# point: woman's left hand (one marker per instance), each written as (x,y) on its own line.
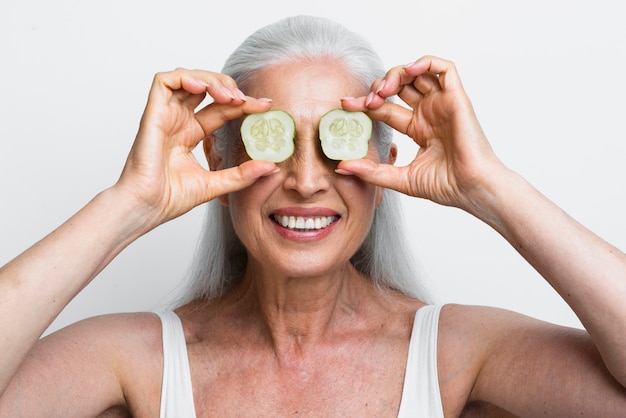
(455,161)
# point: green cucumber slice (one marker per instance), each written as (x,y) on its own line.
(269,135)
(345,135)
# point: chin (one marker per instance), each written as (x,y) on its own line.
(308,265)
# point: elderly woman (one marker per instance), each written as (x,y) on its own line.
(327,319)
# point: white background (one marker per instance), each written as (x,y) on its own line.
(547,79)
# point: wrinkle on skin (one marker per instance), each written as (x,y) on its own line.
(300,285)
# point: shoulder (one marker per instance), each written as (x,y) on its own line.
(482,331)
(104,362)
(519,363)
(470,336)
(110,334)
(126,345)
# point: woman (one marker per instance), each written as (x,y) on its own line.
(285,321)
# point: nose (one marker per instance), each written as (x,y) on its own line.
(308,171)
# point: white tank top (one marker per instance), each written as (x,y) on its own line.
(420,394)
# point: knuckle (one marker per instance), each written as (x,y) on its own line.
(159,76)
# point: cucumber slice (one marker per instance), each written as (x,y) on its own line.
(269,135)
(345,135)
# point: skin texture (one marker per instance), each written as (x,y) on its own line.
(303,332)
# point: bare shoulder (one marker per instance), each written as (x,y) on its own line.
(89,367)
(115,338)
(484,326)
(493,356)
(142,327)
(132,345)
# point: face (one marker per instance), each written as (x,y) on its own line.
(306,220)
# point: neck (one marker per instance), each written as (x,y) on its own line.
(303,309)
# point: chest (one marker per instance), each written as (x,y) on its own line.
(345,382)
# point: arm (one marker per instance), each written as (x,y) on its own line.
(160,181)
(589,273)
(490,356)
(456,166)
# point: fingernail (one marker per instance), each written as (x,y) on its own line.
(264,99)
(344,172)
(347,98)
(369,98)
(274,171)
(409,64)
(240,95)
(228,92)
(202,83)
(381,86)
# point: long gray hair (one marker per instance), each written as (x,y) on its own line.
(385,256)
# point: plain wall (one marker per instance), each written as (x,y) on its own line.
(546,79)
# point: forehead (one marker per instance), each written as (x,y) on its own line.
(306,86)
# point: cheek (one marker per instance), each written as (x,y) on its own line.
(360,195)
(243,218)
(373,151)
(246,206)
(239,154)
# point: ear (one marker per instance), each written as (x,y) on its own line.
(212,156)
(393,154)
(214,159)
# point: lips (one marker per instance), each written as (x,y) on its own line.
(304,224)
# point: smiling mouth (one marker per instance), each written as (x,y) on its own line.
(301,223)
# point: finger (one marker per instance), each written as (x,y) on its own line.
(236,178)
(181,83)
(411,96)
(395,82)
(426,84)
(354,103)
(445,71)
(215,115)
(394,115)
(427,74)
(383,175)
(194,100)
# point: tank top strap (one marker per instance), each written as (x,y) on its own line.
(420,395)
(176,389)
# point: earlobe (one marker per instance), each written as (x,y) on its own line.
(224,200)
(393,154)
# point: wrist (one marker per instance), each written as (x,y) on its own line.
(127,215)
(495,198)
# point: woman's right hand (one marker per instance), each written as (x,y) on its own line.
(161,180)
(161,172)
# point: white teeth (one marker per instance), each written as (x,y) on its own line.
(301,223)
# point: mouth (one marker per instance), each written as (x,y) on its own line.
(303,223)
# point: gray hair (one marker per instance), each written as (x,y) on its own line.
(385,255)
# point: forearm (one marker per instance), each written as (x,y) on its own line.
(39,283)
(588,272)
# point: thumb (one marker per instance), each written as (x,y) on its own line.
(236,178)
(383,175)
